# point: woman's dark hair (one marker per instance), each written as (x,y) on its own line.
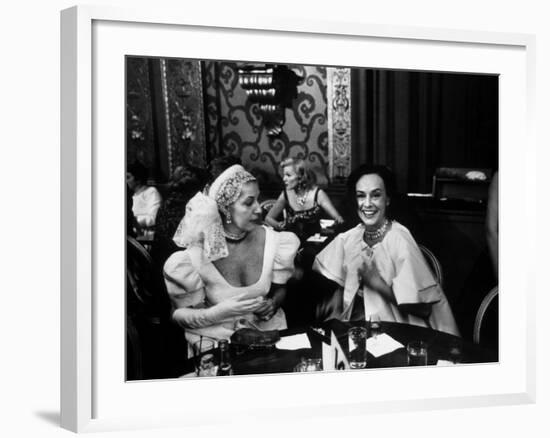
(187,178)
(383,172)
(221,163)
(139,171)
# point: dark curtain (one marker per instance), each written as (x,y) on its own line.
(414,122)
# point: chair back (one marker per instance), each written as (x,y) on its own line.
(433,263)
(145,287)
(482,311)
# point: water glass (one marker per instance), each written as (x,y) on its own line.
(314,365)
(417,353)
(357,341)
(455,352)
(307,365)
(375,326)
(204,357)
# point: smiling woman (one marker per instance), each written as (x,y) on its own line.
(233,269)
(377,265)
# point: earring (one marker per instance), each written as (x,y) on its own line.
(228,220)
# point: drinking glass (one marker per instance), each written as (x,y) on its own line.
(417,353)
(314,365)
(204,357)
(375,326)
(357,341)
(455,352)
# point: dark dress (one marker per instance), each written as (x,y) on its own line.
(303,223)
(299,302)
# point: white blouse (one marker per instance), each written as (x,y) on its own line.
(145,206)
(401,265)
(196,288)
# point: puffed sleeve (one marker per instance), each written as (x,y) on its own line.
(187,293)
(183,283)
(283,264)
(413,283)
(330,261)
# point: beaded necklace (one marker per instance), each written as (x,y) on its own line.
(375,236)
(232,237)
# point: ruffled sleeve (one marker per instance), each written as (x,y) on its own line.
(283,264)
(413,282)
(330,261)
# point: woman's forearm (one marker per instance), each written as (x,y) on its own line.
(189,317)
(272,222)
(278,294)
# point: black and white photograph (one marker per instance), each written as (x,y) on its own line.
(286,218)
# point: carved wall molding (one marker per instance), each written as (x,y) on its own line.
(339,121)
(184,112)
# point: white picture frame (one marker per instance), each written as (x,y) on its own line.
(93,397)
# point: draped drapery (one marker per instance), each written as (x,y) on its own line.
(415,122)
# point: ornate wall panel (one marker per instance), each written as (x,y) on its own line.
(339,122)
(235,126)
(139,125)
(184,112)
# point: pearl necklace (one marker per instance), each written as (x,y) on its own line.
(372,236)
(235,237)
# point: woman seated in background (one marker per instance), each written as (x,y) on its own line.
(302,201)
(233,268)
(146,200)
(377,265)
(186,181)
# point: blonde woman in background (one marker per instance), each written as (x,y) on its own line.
(302,201)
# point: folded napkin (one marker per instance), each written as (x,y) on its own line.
(317,238)
(294,342)
(382,344)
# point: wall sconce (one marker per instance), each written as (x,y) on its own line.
(272,87)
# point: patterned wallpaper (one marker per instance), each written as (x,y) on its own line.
(234,126)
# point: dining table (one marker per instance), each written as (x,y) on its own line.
(443,348)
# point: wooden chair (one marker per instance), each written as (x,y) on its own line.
(481,313)
(433,263)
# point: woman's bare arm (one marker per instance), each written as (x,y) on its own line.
(275,212)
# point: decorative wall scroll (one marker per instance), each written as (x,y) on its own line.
(339,122)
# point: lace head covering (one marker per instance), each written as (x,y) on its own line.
(226,189)
(202,224)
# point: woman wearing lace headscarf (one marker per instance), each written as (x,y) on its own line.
(232,268)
